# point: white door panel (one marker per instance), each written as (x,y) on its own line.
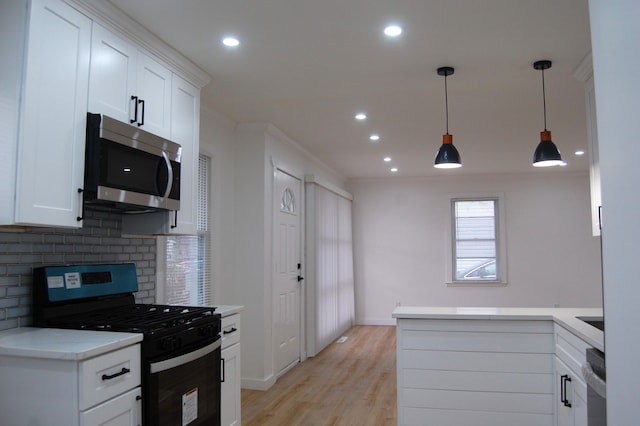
(287,258)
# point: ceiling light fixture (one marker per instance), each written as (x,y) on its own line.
(393,31)
(447,156)
(580,152)
(387,159)
(374,137)
(393,169)
(546,154)
(231,42)
(361,116)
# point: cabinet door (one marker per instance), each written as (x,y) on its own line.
(113,75)
(123,410)
(580,403)
(53,116)
(230,388)
(185,119)
(570,396)
(562,393)
(153,88)
(594,156)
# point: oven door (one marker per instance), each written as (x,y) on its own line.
(185,389)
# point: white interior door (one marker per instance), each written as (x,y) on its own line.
(287,270)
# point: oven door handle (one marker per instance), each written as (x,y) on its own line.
(159,366)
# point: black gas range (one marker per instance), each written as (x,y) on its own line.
(181,345)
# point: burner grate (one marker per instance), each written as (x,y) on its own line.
(137,318)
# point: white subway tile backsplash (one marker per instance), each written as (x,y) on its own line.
(99,241)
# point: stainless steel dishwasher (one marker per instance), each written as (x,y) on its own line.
(594,373)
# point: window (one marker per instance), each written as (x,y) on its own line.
(477,245)
(187,257)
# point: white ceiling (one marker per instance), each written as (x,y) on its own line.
(307,66)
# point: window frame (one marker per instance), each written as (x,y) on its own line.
(202,237)
(501,241)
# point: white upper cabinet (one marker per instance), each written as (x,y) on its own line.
(43,146)
(185,130)
(129,85)
(584,73)
(62,59)
(594,158)
(154,93)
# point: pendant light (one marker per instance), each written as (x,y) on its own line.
(546,153)
(447,156)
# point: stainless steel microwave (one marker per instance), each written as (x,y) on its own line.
(129,169)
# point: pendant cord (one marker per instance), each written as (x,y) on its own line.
(544,102)
(446,102)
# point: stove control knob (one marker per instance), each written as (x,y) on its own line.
(207,331)
(170,343)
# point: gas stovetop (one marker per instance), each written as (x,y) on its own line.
(137,318)
(100,297)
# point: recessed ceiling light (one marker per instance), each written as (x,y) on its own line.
(387,159)
(563,164)
(374,137)
(580,152)
(231,42)
(394,169)
(361,116)
(393,31)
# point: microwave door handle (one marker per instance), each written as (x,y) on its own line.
(169,174)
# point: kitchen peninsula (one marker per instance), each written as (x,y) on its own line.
(493,366)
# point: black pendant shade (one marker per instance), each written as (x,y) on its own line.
(448,156)
(546,153)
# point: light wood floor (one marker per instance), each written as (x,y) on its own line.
(351,383)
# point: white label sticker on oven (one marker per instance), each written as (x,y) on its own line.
(189,406)
(72,279)
(55,282)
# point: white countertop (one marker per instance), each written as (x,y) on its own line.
(566,317)
(226,310)
(62,344)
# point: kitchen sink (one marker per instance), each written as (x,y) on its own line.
(597,322)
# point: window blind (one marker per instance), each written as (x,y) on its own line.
(188,260)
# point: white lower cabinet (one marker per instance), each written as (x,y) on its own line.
(121,410)
(46,383)
(570,396)
(475,372)
(230,394)
(570,390)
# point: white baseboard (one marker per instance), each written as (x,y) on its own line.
(258,384)
(376,321)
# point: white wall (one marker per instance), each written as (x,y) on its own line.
(259,149)
(616,60)
(400,234)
